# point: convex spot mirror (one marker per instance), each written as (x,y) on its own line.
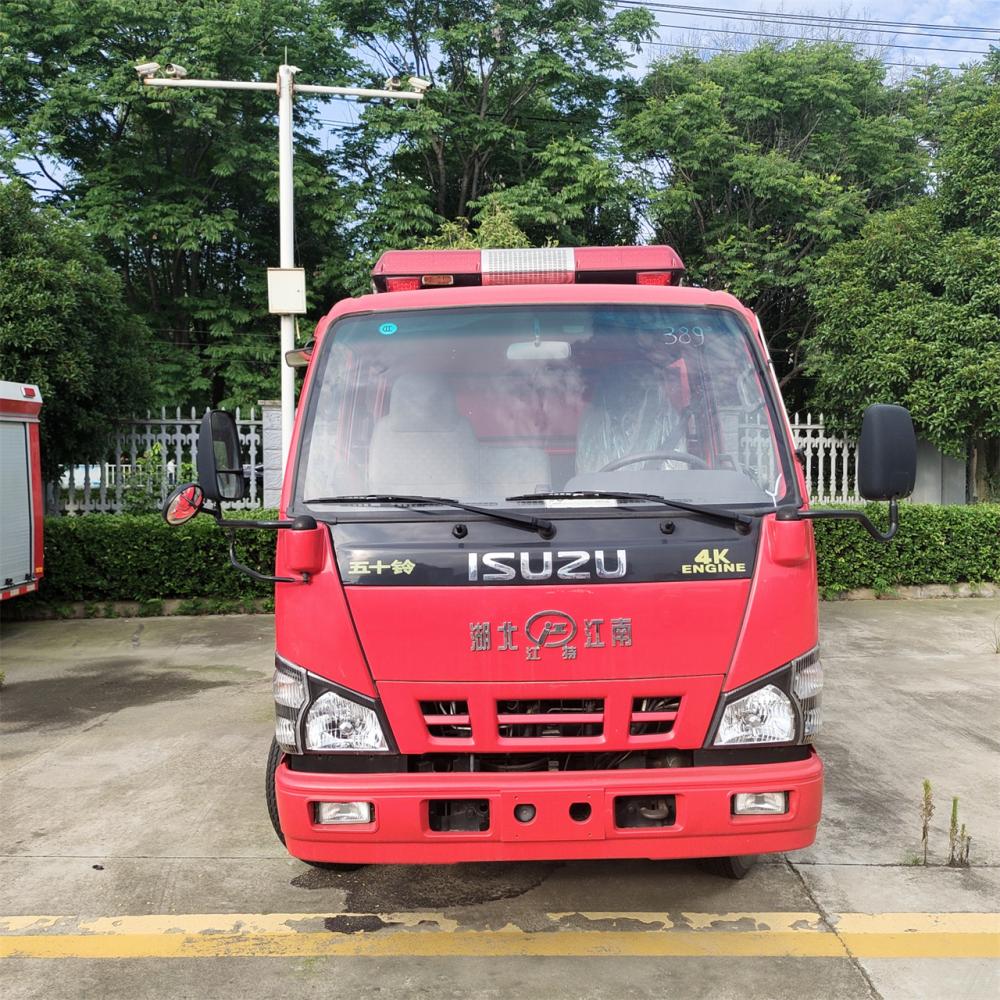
(183,504)
(220,469)
(539,350)
(887,453)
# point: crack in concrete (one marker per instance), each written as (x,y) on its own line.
(831,925)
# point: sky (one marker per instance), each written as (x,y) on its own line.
(923,41)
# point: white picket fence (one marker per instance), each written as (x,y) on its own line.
(830,461)
(103,487)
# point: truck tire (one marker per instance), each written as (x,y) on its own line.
(273,759)
(735,867)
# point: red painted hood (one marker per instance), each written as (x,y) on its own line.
(549,633)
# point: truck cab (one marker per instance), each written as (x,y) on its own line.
(546,574)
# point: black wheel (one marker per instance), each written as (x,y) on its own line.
(735,868)
(273,759)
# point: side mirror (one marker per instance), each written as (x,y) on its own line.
(887,470)
(183,504)
(887,453)
(220,470)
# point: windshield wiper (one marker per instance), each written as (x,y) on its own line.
(544,527)
(742,522)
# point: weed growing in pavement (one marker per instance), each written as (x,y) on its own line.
(995,640)
(926,812)
(959,842)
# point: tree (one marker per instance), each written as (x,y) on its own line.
(517,111)
(910,311)
(754,164)
(179,187)
(495,229)
(64,325)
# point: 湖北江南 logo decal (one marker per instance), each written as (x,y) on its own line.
(554,630)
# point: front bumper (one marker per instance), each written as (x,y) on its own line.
(400,833)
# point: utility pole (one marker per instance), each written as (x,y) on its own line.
(286,283)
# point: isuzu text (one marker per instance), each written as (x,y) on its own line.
(545,577)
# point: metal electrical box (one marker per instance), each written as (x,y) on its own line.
(286,290)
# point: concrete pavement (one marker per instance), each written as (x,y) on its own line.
(132,788)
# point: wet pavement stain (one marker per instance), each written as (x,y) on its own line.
(95,689)
(379,888)
(347,923)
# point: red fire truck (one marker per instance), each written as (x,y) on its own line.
(21,504)
(545,578)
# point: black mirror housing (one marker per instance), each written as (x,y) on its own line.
(887,453)
(220,468)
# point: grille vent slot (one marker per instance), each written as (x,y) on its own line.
(550,718)
(447,720)
(653,716)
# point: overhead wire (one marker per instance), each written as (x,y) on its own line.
(736,13)
(877,45)
(715,48)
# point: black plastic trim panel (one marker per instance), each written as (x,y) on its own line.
(356,763)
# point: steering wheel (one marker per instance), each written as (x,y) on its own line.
(653,456)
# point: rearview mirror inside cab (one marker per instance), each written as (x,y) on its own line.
(220,470)
(539,350)
(887,453)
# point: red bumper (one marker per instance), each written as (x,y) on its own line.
(704,825)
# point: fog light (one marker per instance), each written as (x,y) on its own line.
(344,812)
(760,803)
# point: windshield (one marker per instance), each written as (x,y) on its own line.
(480,404)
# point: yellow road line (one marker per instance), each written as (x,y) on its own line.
(428,934)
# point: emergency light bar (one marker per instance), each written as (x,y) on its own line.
(410,270)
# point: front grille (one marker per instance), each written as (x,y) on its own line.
(447,719)
(653,716)
(550,718)
(490,717)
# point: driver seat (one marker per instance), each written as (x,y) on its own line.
(629,413)
(423,445)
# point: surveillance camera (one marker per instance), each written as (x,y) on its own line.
(419,85)
(393,83)
(146,69)
(176,71)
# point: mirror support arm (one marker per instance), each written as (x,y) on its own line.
(229,525)
(263,577)
(847,515)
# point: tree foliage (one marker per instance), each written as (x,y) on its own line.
(754,164)
(517,115)
(179,187)
(910,311)
(64,325)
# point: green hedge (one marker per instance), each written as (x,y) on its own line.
(935,544)
(137,557)
(119,557)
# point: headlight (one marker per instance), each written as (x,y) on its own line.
(783,707)
(334,723)
(763,716)
(310,713)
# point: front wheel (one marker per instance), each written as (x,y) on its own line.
(273,759)
(735,867)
